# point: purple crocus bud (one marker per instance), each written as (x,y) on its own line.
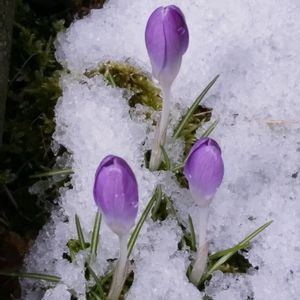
(204,170)
(116,194)
(167,39)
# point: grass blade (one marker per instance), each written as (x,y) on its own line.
(79,233)
(191,110)
(210,129)
(142,219)
(98,283)
(156,205)
(243,244)
(226,254)
(217,265)
(53,173)
(96,297)
(166,158)
(178,167)
(95,235)
(252,235)
(193,235)
(37,276)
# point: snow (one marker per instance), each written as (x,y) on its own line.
(254,45)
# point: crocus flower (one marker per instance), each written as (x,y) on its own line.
(116,195)
(167,39)
(204,170)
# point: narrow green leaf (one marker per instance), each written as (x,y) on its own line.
(142,219)
(95,235)
(156,205)
(106,278)
(96,297)
(166,157)
(217,265)
(37,276)
(226,254)
(210,129)
(178,167)
(98,283)
(221,253)
(79,233)
(191,110)
(242,244)
(53,173)
(193,235)
(255,233)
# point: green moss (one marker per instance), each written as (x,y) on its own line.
(124,75)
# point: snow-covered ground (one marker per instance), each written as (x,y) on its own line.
(254,45)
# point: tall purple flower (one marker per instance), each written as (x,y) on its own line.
(116,194)
(167,39)
(204,170)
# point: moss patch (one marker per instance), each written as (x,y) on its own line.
(124,75)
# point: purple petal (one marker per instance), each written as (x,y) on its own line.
(116,193)
(204,168)
(179,25)
(167,40)
(155,40)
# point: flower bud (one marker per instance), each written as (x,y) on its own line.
(204,170)
(116,194)
(167,39)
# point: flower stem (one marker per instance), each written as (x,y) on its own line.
(160,134)
(202,249)
(120,272)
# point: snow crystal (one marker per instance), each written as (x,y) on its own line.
(59,292)
(254,45)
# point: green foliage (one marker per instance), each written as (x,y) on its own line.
(102,285)
(74,247)
(162,208)
(231,260)
(95,235)
(156,197)
(237,263)
(35,276)
(33,92)
(104,282)
(199,117)
(195,116)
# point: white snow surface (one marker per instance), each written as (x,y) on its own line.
(254,45)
